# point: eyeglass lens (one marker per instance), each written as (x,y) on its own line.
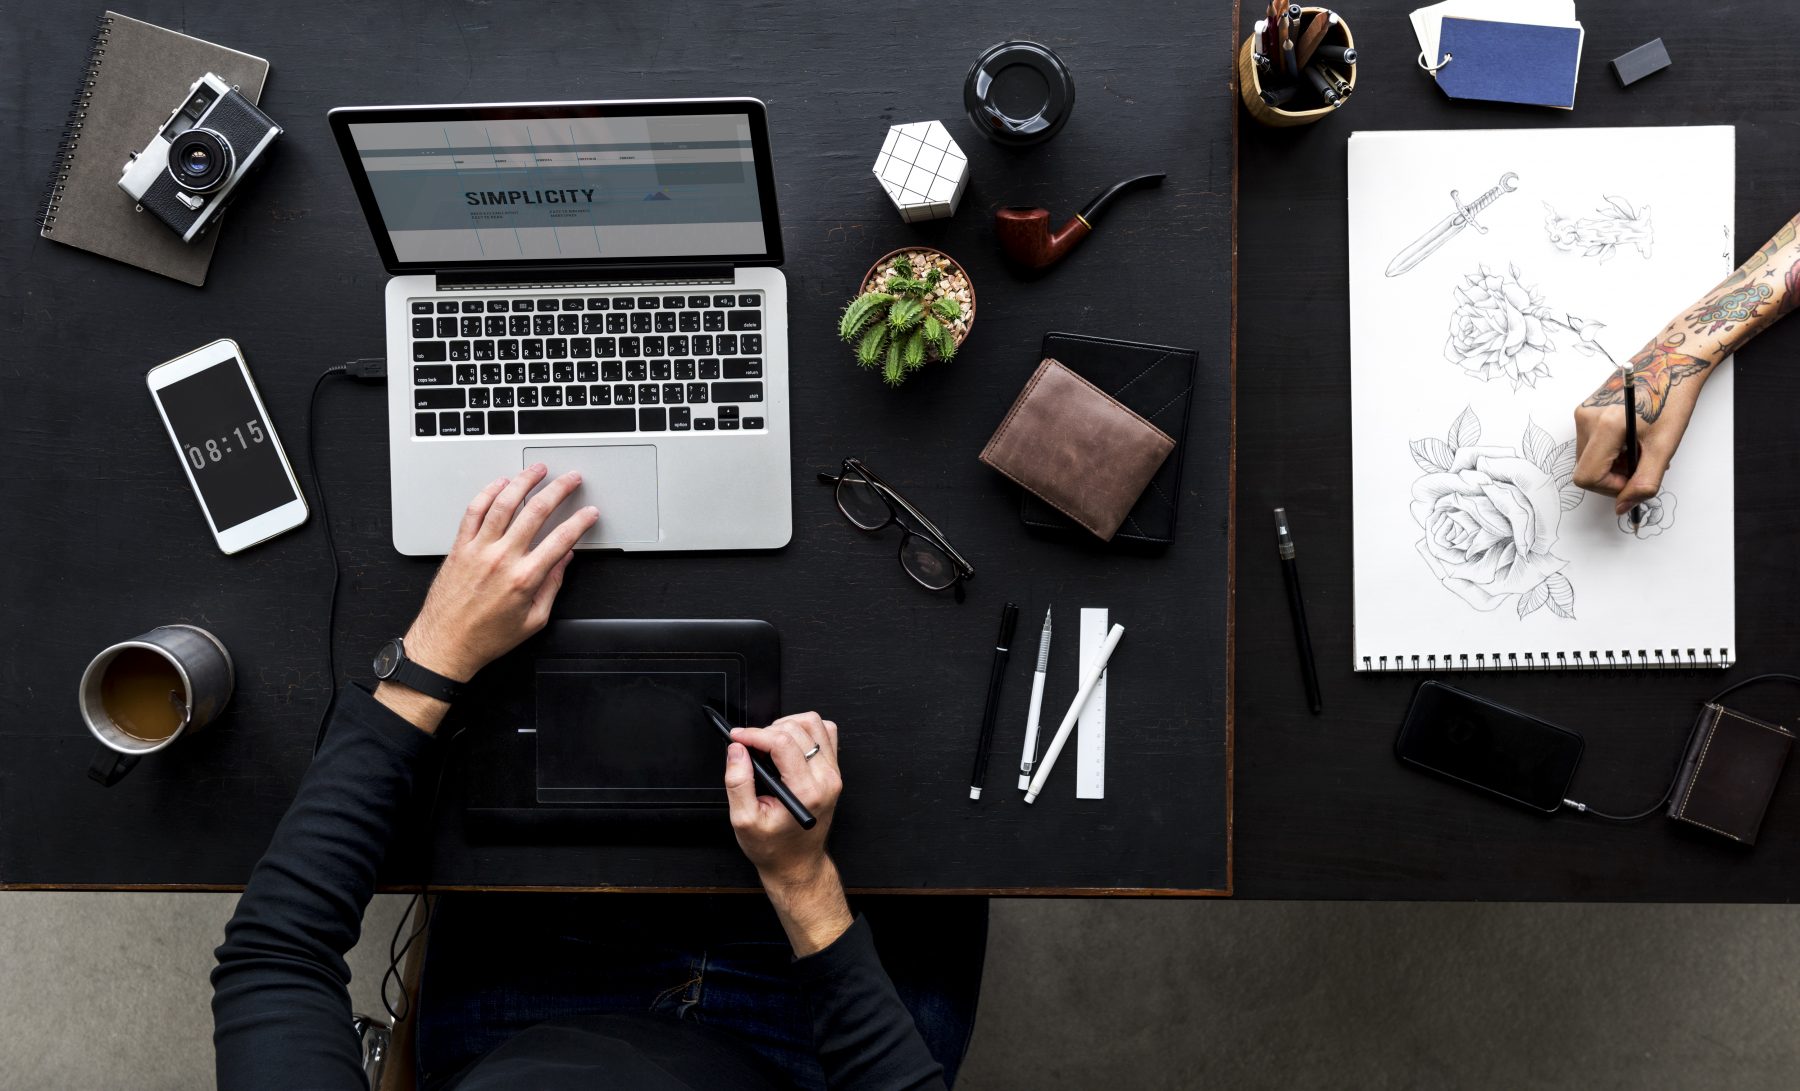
(861,502)
(925,562)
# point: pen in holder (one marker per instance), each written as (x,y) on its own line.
(1296,74)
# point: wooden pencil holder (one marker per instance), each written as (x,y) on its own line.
(1250,81)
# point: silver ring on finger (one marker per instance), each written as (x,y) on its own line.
(813,753)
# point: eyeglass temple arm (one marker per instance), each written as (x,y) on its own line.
(924,522)
(875,480)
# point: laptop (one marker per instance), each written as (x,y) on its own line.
(591,285)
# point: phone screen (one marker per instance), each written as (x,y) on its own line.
(1489,746)
(228,444)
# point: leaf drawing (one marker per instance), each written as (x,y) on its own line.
(1571,496)
(1534,598)
(1432,454)
(1562,462)
(1562,595)
(1537,446)
(1465,430)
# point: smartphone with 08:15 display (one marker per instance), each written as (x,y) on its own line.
(227,445)
(1489,747)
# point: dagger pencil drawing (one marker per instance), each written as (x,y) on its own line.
(1450,225)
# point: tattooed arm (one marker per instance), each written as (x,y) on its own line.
(1668,373)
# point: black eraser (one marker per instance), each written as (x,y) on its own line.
(1640,62)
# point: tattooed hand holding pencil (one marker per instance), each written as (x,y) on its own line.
(1667,375)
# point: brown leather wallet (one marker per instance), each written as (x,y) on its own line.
(1077,448)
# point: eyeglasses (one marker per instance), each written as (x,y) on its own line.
(871,504)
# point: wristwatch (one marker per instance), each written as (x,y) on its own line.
(391,665)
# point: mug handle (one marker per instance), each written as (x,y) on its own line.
(109,767)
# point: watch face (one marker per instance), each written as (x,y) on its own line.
(387,659)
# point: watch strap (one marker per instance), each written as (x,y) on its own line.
(426,681)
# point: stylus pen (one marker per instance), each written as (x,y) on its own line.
(1037,707)
(1290,574)
(1088,682)
(1009,620)
(769,777)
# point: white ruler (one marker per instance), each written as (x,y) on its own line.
(1090,742)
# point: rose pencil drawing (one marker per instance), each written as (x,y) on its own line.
(1655,515)
(1503,329)
(1490,516)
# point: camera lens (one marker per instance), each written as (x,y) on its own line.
(199,160)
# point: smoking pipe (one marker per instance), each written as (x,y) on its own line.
(1025,232)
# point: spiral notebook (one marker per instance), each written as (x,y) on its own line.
(1492,273)
(135,76)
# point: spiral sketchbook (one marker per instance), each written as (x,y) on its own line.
(1494,277)
(135,76)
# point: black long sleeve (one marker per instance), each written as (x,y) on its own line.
(281,1006)
(281,1003)
(866,1038)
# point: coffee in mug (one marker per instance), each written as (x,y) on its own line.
(140,695)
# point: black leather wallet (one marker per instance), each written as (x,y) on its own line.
(1729,773)
(1157,383)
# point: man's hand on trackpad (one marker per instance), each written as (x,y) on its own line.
(497,584)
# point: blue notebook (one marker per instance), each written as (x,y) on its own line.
(1509,62)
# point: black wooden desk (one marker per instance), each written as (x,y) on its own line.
(101,538)
(1323,809)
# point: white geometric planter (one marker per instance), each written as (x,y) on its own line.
(922,170)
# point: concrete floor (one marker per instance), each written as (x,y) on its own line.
(110,990)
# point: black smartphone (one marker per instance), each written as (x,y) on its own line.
(1490,747)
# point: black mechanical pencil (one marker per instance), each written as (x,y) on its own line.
(1302,637)
(771,780)
(1009,620)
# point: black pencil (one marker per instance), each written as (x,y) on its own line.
(1631,443)
(1309,671)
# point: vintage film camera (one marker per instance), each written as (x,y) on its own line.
(191,169)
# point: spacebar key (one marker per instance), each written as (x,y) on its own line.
(538,421)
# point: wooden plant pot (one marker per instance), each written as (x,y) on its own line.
(1250,86)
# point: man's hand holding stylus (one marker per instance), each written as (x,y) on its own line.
(799,877)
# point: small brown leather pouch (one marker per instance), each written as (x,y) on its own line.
(1729,773)
(1077,448)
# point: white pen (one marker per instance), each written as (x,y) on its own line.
(1037,707)
(1095,670)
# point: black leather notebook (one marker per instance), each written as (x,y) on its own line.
(1729,774)
(1157,383)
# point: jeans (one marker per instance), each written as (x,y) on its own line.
(499,963)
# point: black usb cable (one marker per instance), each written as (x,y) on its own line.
(369,369)
(419,908)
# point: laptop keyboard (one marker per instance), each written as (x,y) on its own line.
(569,365)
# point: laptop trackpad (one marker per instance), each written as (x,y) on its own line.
(620,481)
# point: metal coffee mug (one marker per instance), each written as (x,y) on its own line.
(206,680)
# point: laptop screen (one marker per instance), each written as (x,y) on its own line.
(578,183)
